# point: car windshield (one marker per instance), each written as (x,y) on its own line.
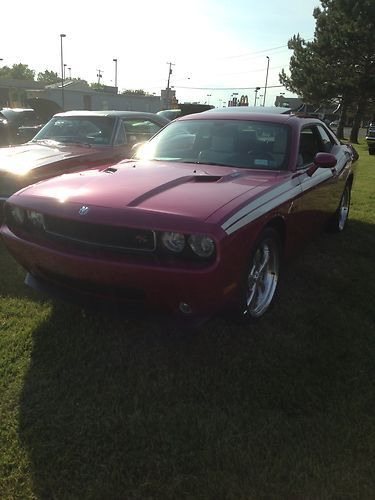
(233,143)
(97,130)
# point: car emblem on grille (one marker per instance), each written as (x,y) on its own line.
(83,210)
(141,239)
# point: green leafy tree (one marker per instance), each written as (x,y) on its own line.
(48,77)
(97,86)
(17,72)
(339,64)
(134,92)
(5,72)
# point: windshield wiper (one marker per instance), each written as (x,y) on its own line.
(76,141)
(45,141)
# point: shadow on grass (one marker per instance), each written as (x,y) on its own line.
(117,408)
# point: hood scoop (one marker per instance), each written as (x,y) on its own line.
(206,178)
(110,170)
(172,184)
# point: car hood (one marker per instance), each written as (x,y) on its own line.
(191,190)
(26,157)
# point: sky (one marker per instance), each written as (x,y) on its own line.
(217,47)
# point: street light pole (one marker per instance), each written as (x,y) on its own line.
(70,73)
(168,82)
(115,61)
(265,86)
(62,35)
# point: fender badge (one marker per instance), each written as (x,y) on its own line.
(83,210)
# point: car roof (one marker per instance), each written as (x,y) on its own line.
(16,110)
(251,109)
(105,113)
(289,119)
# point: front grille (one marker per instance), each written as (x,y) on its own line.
(100,235)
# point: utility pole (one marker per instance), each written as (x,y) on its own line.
(99,75)
(168,83)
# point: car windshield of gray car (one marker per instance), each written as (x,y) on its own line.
(95,130)
(233,143)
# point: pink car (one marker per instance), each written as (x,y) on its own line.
(198,222)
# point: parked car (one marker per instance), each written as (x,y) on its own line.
(183,110)
(18,125)
(370,138)
(170,114)
(198,222)
(73,141)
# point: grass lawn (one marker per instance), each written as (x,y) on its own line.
(101,407)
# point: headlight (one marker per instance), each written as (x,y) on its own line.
(175,242)
(36,219)
(202,245)
(18,214)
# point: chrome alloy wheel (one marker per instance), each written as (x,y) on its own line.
(262,276)
(344,208)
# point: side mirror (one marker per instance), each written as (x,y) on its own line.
(322,160)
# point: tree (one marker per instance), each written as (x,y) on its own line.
(48,77)
(17,72)
(339,64)
(97,86)
(134,92)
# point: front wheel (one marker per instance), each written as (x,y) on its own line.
(262,275)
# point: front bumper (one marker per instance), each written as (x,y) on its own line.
(186,290)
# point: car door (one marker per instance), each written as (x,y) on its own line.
(321,191)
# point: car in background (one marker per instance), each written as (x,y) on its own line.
(183,110)
(197,223)
(170,114)
(72,141)
(370,138)
(18,125)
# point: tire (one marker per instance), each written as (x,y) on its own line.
(340,219)
(262,275)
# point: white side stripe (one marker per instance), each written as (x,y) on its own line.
(273,199)
(317,178)
(273,194)
(259,210)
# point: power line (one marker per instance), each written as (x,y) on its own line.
(260,51)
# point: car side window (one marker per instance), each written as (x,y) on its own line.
(121,136)
(310,143)
(326,139)
(135,130)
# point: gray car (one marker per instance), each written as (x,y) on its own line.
(73,141)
